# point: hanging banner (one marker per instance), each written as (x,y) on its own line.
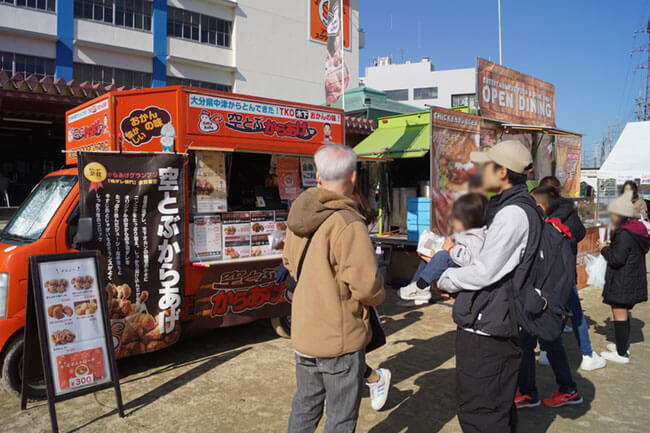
(543,161)
(288,178)
(137,203)
(567,163)
(510,96)
(210,182)
(455,135)
(308,172)
(337,75)
(318,18)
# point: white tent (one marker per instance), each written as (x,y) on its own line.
(630,158)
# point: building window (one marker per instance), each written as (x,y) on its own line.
(466,100)
(45,5)
(192,26)
(127,13)
(105,75)
(13,63)
(178,81)
(425,93)
(398,94)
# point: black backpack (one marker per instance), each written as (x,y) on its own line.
(540,304)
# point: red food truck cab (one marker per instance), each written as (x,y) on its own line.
(257,151)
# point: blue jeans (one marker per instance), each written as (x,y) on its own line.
(557,357)
(580,327)
(430,272)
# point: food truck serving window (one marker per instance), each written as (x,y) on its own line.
(240,203)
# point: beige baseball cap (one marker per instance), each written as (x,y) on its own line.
(510,154)
(622,205)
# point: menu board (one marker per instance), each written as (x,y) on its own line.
(66,317)
(236,235)
(210,182)
(76,338)
(262,225)
(206,238)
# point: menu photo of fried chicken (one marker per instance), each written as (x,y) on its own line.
(85,308)
(59,311)
(62,337)
(83,282)
(134,329)
(203,187)
(58,285)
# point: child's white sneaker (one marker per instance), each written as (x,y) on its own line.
(615,357)
(413,293)
(611,347)
(379,389)
(543,358)
(593,362)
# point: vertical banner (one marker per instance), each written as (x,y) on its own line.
(288,177)
(210,182)
(455,135)
(308,172)
(567,163)
(337,75)
(137,203)
(318,19)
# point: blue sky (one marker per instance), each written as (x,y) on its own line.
(582,47)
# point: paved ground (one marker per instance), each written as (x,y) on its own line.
(241,380)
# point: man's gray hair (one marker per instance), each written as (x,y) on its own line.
(335,162)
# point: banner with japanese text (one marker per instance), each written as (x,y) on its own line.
(567,163)
(137,204)
(337,75)
(455,135)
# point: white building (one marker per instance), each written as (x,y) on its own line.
(420,84)
(257,47)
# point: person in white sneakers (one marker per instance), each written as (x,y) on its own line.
(626,281)
(469,214)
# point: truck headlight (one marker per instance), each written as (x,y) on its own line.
(4,293)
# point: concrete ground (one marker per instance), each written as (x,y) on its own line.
(242,380)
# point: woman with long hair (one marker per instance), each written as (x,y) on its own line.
(640,207)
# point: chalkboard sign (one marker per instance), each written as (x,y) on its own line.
(66,308)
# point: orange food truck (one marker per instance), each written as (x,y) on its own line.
(242,160)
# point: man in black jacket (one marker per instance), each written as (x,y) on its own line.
(487,354)
(566,212)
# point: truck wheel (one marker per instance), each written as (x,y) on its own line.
(282,326)
(12,373)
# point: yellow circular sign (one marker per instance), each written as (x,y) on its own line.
(95,172)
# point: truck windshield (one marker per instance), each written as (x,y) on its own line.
(37,210)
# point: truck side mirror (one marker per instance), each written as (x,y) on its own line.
(84,231)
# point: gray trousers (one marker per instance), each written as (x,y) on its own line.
(339,381)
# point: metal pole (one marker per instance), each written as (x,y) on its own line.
(647,82)
(342,30)
(500,56)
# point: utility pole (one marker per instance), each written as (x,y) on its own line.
(646,66)
(499,12)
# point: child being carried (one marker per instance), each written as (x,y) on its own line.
(469,214)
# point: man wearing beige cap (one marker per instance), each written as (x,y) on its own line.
(487,353)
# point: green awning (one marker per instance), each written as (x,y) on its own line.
(404,141)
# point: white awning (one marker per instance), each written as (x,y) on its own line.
(630,157)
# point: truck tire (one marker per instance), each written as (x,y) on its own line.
(282,326)
(12,372)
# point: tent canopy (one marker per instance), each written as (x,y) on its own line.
(630,156)
(405,136)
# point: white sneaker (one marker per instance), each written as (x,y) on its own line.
(543,358)
(593,362)
(615,357)
(411,292)
(379,389)
(611,347)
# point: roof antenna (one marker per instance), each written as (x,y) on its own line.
(390,54)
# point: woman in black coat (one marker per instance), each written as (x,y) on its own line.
(625,279)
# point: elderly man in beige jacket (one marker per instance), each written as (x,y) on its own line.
(337,285)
